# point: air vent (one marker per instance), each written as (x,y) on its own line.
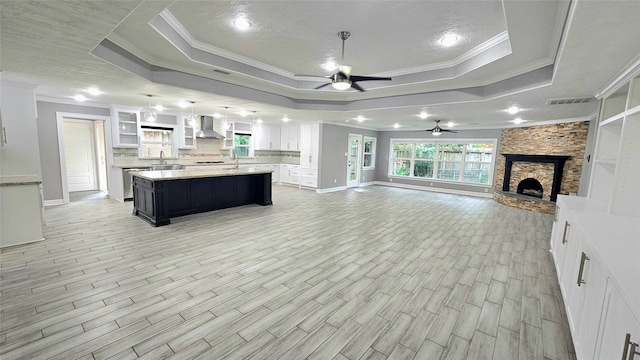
(569,101)
(221,72)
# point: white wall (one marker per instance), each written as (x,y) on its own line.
(21,154)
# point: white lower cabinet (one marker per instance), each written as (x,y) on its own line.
(616,322)
(596,257)
(289,174)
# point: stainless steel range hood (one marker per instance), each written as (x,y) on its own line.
(206,129)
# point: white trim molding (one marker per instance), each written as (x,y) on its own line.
(329,190)
(435,189)
(53,202)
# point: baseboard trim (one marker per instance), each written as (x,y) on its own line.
(54,202)
(433,189)
(367,184)
(333,189)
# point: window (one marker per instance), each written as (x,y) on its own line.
(242,144)
(155,140)
(464,161)
(369,157)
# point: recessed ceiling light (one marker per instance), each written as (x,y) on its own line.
(360,118)
(451,124)
(243,113)
(396,125)
(159,108)
(517,121)
(423,114)
(183,104)
(79,97)
(449,40)
(217,115)
(241,23)
(94,91)
(330,65)
(513,110)
(285,118)
(259,121)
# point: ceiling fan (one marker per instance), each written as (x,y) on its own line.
(343,80)
(437,131)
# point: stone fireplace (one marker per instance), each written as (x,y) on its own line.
(538,163)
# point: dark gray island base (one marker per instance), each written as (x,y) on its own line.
(161,195)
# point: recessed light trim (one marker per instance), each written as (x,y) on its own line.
(159,108)
(79,98)
(330,65)
(518,121)
(241,23)
(396,125)
(451,124)
(449,40)
(217,115)
(285,119)
(93,91)
(360,118)
(183,104)
(513,110)
(423,114)
(243,113)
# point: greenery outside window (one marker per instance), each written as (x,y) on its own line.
(242,144)
(469,161)
(369,153)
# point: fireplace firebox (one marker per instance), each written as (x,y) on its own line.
(558,167)
(530,187)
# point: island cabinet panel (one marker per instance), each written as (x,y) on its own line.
(158,200)
(224,189)
(177,195)
(201,194)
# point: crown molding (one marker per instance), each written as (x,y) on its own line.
(627,73)
(72,102)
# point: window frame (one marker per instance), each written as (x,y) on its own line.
(374,141)
(437,160)
(158,127)
(246,130)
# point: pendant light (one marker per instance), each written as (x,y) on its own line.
(193,118)
(150,115)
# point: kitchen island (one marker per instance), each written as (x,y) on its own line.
(163,194)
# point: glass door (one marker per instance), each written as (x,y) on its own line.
(353,160)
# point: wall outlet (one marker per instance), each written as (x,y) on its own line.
(431,184)
(486,190)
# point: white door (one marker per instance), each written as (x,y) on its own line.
(80,155)
(353,160)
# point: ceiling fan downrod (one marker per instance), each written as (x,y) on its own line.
(343,35)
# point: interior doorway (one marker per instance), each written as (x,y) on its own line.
(353,160)
(82,142)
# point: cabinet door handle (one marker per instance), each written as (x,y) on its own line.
(564,234)
(555,219)
(581,270)
(628,343)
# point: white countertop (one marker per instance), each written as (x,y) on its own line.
(12,180)
(197,173)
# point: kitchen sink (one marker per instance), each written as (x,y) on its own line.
(167,166)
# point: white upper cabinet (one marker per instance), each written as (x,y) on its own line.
(186,132)
(290,138)
(267,137)
(126,127)
(309,146)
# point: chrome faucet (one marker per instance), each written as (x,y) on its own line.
(162,160)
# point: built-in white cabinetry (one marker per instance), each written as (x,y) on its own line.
(309,152)
(290,137)
(267,137)
(229,130)
(186,132)
(289,174)
(596,257)
(126,127)
(616,170)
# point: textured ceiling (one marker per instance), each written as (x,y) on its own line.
(512,53)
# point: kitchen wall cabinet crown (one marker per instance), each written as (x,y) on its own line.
(125,124)
(290,137)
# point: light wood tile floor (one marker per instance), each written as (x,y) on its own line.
(372,273)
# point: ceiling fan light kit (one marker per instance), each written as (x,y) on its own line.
(437,130)
(343,80)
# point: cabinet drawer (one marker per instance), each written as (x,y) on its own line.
(294,172)
(309,173)
(308,181)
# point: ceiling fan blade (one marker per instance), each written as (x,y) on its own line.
(315,77)
(356,86)
(321,86)
(445,130)
(367,78)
